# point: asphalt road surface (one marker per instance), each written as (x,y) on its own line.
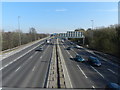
(28,68)
(83,75)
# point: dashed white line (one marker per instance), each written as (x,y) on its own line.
(30,57)
(40,57)
(82,71)
(74,51)
(70,54)
(36,52)
(18,58)
(33,68)
(98,72)
(93,86)
(111,71)
(100,57)
(17,69)
(63,46)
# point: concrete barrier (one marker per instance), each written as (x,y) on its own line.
(65,71)
(52,77)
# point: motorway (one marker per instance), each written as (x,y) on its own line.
(29,68)
(84,75)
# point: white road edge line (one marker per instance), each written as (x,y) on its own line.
(46,72)
(82,71)
(48,80)
(64,66)
(98,72)
(24,48)
(19,57)
(33,68)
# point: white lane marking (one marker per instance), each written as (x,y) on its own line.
(43,45)
(17,69)
(13,52)
(63,46)
(33,68)
(68,52)
(31,57)
(46,49)
(93,86)
(19,57)
(82,71)
(100,57)
(65,70)
(70,55)
(40,57)
(46,72)
(111,71)
(98,72)
(74,51)
(36,52)
(44,52)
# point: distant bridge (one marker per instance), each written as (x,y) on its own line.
(71,34)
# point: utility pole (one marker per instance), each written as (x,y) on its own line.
(19,30)
(92,28)
(92,24)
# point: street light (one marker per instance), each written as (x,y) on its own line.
(19,30)
(92,28)
(92,23)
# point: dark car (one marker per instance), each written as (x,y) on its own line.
(39,49)
(79,58)
(94,61)
(68,48)
(112,86)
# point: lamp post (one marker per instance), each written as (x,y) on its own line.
(92,23)
(92,28)
(19,30)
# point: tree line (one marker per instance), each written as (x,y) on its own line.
(12,39)
(104,39)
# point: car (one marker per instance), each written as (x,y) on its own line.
(79,58)
(94,61)
(112,86)
(62,41)
(39,49)
(71,43)
(68,48)
(78,47)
